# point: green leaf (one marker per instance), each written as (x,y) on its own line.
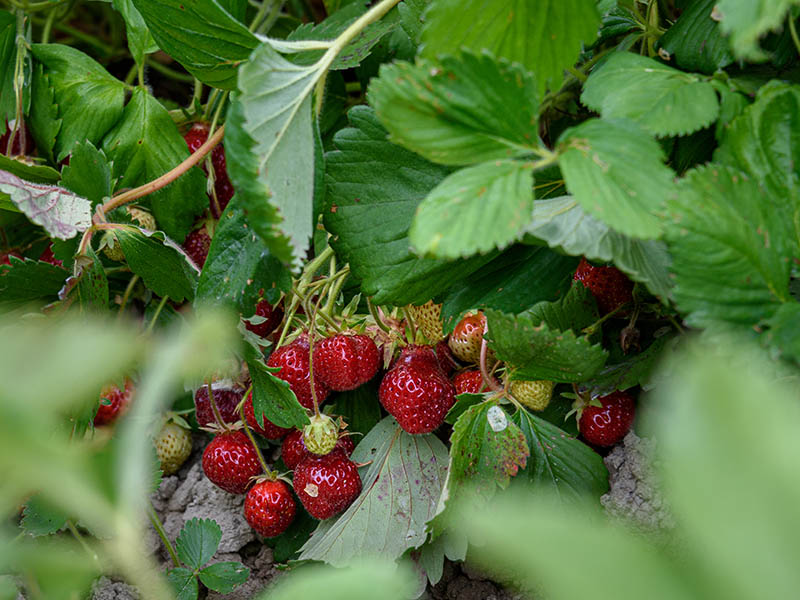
(401,488)
(88,173)
(540,352)
(184,583)
(631,372)
(729,249)
(615,171)
(81,87)
(60,213)
(359,408)
(200,35)
(487,449)
(374,188)
(564,225)
(746,22)
(144,145)
(239,264)
(275,104)
(43,120)
(411,18)
(140,42)
(224,576)
(517,279)
(8,55)
(474,210)
(159,261)
(273,399)
(764,143)
(29,172)
(782,332)
(544,36)
(467,109)
(695,41)
(253,194)
(355,51)
(662,100)
(357,582)
(708,417)
(558,462)
(197,542)
(92,284)
(41,518)
(23,282)
(573,311)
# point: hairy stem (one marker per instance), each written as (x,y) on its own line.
(151,512)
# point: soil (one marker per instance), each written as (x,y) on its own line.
(634,497)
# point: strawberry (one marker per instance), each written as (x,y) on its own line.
(113,403)
(173,446)
(417,394)
(5,257)
(343,362)
(327,485)
(293,360)
(17,145)
(293,448)
(48,256)
(466,339)
(142,218)
(607,425)
(447,363)
(269,507)
(273,315)
(535,395)
(226,399)
(223,188)
(268,429)
(609,286)
(428,319)
(230,460)
(418,356)
(196,245)
(469,382)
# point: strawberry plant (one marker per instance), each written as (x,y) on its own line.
(371,271)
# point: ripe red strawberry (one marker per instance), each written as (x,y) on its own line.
(344,362)
(269,507)
(269,430)
(294,364)
(467,336)
(607,425)
(273,316)
(445,357)
(293,448)
(468,382)
(16,146)
(48,256)
(5,257)
(609,286)
(417,395)
(418,356)
(226,399)
(113,403)
(327,485)
(230,460)
(196,245)
(195,138)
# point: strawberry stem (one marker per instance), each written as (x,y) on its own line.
(488,380)
(159,527)
(248,432)
(217,415)
(411,325)
(373,310)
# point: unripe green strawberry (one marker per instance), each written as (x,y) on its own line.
(173,446)
(142,218)
(111,247)
(321,434)
(533,394)
(428,319)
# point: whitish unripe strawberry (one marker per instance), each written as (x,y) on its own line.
(173,446)
(466,339)
(428,319)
